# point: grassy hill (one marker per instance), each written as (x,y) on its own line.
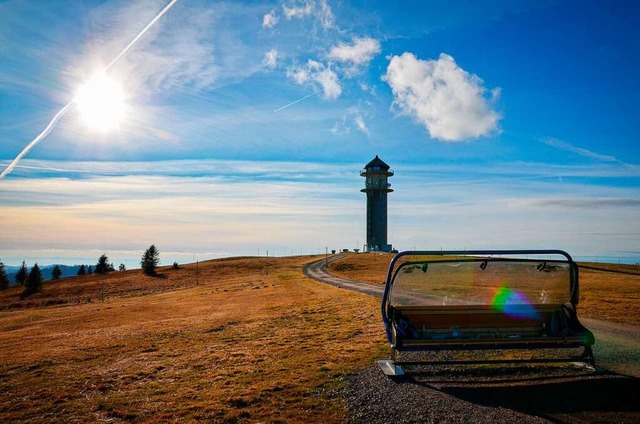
(233,340)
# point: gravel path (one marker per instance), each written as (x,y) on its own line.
(318,271)
(499,393)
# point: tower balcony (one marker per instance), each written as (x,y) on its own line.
(376,170)
(369,187)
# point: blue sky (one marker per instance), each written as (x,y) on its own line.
(509,124)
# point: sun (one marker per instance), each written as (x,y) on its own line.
(101,103)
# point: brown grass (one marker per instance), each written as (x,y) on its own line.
(366,267)
(610,293)
(254,341)
(240,340)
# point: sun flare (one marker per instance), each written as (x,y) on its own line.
(101,103)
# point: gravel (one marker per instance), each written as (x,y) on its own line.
(505,394)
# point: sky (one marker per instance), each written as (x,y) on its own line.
(240,128)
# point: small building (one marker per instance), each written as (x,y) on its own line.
(376,174)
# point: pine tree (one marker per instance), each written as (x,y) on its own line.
(103,266)
(90,269)
(150,260)
(34,282)
(82,270)
(4,279)
(56,273)
(22,274)
(122,267)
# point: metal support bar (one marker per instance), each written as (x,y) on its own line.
(494,361)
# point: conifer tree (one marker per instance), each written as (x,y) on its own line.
(22,274)
(150,260)
(82,270)
(103,266)
(56,273)
(34,282)
(4,279)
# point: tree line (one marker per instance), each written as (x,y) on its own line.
(32,279)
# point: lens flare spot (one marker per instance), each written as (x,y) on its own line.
(513,303)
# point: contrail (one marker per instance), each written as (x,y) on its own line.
(299,100)
(141,33)
(64,110)
(36,140)
(75,171)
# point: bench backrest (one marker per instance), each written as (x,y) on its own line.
(509,288)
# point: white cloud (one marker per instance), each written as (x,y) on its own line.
(325,15)
(587,203)
(208,52)
(328,79)
(170,55)
(368,88)
(230,206)
(447,100)
(358,53)
(360,124)
(320,10)
(207,206)
(270,19)
(298,10)
(270,59)
(317,73)
(353,117)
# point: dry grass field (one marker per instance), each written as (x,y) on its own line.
(234,340)
(243,340)
(607,291)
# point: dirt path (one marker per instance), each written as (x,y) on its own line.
(318,271)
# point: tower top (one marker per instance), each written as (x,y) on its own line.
(376,167)
(377,164)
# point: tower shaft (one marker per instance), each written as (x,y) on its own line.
(376,219)
(376,175)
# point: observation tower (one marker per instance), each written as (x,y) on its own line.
(376,174)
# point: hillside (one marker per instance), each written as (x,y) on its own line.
(230,340)
(233,340)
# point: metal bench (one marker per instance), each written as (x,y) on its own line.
(482,300)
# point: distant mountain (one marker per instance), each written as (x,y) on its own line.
(47,270)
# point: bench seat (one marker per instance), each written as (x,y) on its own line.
(484,327)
